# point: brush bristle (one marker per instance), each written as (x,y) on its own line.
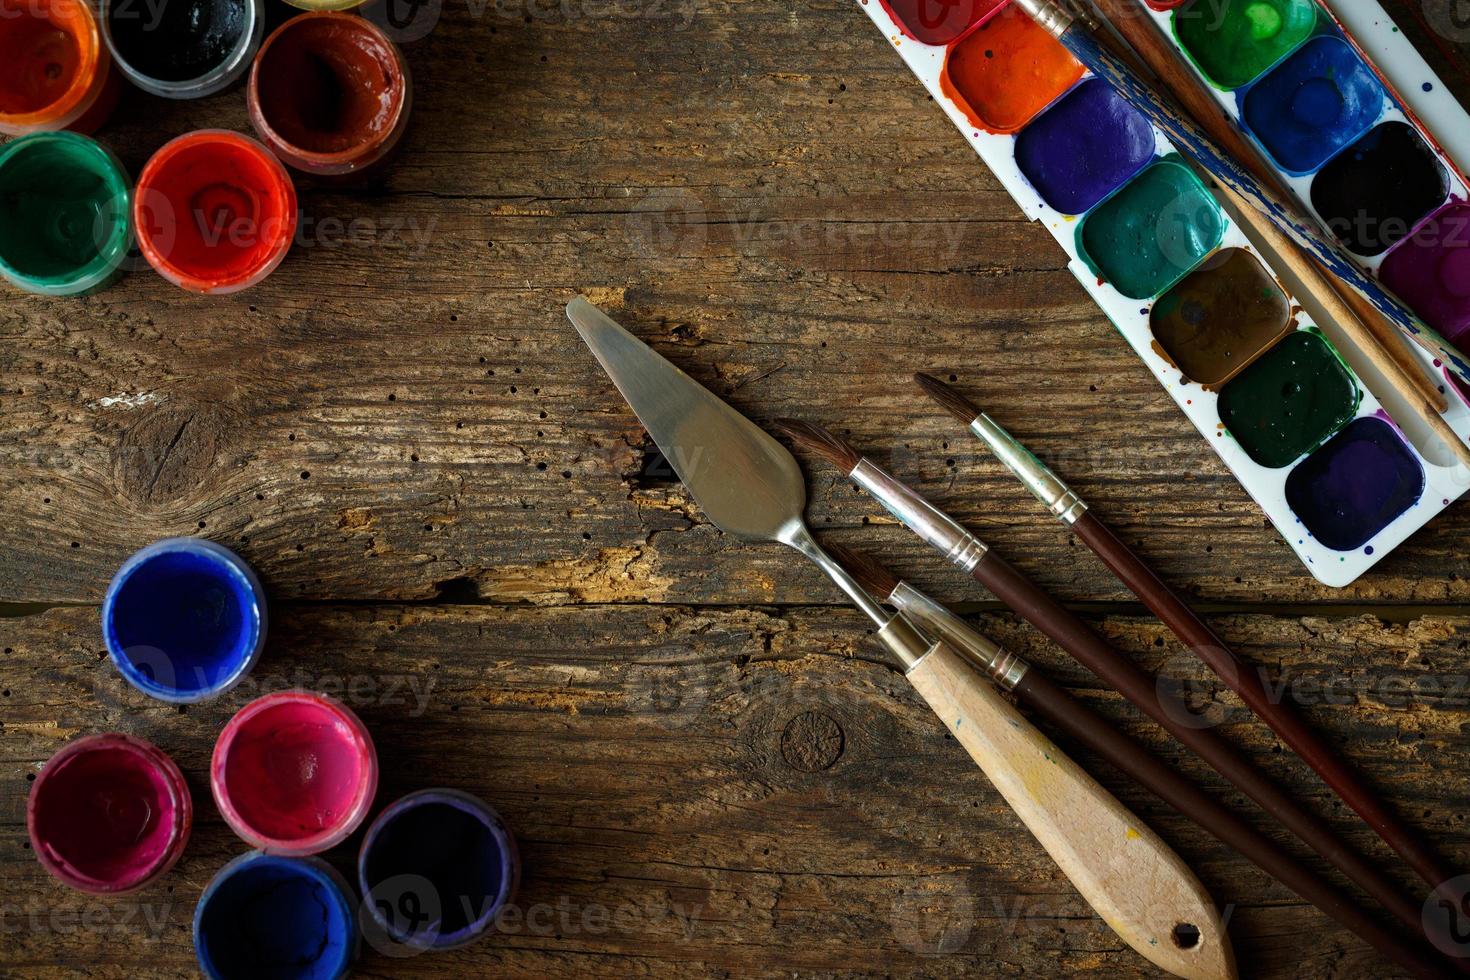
(957,404)
(877,580)
(817,440)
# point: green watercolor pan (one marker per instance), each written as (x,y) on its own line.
(1198,301)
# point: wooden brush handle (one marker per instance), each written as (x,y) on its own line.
(1080,722)
(1139,886)
(1246,681)
(1142,689)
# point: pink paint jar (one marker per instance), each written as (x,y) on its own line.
(294,773)
(109,814)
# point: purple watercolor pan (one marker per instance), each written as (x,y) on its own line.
(1356,485)
(1084,147)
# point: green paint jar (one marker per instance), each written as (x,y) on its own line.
(65,224)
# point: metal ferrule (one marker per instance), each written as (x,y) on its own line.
(1053,17)
(1048,488)
(923,518)
(904,641)
(1000,664)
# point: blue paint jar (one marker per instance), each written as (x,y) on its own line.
(184,619)
(436,869)
(268,916)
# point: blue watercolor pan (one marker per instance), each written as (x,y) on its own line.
(1313,104)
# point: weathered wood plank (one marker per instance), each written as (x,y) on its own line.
(677,767)
(767,195)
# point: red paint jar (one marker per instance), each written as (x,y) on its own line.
(55,72)
(214,211)
(294,773)
(330,94)
(109,813)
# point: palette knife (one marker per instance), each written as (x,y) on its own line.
(751,487)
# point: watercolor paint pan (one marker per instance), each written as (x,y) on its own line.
(1198,300)
(1328,115)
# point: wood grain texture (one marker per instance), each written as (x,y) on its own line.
(443,493)
(759,786)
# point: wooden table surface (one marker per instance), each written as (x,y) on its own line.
(711,767)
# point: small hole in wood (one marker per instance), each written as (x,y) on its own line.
(1186,935)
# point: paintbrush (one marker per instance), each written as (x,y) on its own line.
(1242,678)
(752,488)
(1035,690)
(1034,605)
(1083,34)
(1358,320)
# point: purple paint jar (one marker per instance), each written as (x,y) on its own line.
(435,870)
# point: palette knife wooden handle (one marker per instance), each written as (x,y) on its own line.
(1140,887)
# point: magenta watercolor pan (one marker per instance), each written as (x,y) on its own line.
(1200,304)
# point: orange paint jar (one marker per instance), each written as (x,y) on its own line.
(55,72)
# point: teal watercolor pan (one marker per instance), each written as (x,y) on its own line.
(1144,236)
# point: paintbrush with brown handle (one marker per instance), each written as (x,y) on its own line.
(1034,605)
(1242,678)
(1035,690)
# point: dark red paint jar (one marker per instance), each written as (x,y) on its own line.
(330,94)
(109,814)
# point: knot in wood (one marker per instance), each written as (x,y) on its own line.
(811,742)
(169,453)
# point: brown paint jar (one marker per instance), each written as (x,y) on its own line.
(330,94)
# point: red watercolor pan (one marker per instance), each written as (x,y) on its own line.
(215,212)
(329,93)
(294,773)
(108,814)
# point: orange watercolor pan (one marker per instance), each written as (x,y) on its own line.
(1006,70)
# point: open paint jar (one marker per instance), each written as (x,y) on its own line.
(108,814)
(184,619)
(294,772)
(55,72)
(329,94)
(183,49)
(215,211)
(64,214)
(445,854)
(267,916)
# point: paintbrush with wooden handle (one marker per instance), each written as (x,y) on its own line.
(1035,690)
(1242,678)
(1033,604)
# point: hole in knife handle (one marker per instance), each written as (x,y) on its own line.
(1186,935)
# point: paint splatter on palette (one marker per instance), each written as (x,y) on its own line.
(1197,300)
